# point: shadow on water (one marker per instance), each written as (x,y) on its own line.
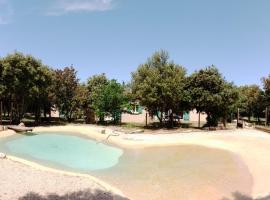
(79,195)
(239,196)
(27,133)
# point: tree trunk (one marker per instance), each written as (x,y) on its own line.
(146,118)
(266,116)
(50,112)
(69,117)
(160,118)
(37,116)
(199,121)
(101,118)
(1,111)
(171,120)
(225,122)
(45,111)
(238,116)
(11,113)
(114,117)
(120,118)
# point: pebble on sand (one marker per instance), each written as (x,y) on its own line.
(2,156)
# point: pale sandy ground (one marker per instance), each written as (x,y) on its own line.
(251,145)
(6,133)
(19,181)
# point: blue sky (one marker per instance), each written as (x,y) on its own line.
(115,36)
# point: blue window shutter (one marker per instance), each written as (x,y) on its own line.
(186,116)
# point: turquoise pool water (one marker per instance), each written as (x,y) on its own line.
(64,150)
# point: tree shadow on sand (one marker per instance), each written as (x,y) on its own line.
(239,196)
(79,195)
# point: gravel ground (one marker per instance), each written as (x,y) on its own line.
(18,181)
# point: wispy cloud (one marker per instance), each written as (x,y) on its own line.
(6,12)
(66,6)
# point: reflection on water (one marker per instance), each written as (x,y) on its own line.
(184,172)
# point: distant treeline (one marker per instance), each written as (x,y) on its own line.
(28,87)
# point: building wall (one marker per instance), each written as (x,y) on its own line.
(193,116)
(137,118)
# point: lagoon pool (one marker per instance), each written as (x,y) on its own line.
(187,172)
(63,150)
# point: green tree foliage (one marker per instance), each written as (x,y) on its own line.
(159,86)
(260,106)
(81,101)
(95,86)
(110,101)
(66,87)
(41,94)
(210,93)
(229,101)
(266,94)
(24,82)
(251,101)
(266,87)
